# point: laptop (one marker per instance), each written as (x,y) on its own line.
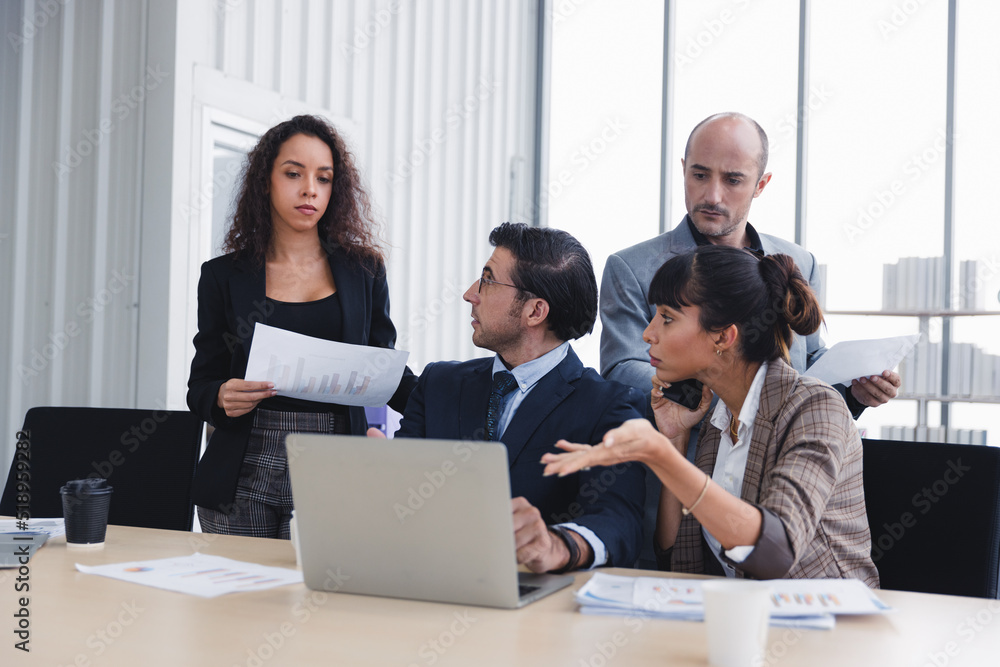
(417,519)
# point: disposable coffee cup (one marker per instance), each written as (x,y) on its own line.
(737,613)
(293,529)
(85,508)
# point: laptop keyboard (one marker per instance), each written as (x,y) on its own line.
(523,590)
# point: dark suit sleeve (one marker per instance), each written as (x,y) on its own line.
(213,350)
(383,334)
(612,498)
(855,406)
(414,424)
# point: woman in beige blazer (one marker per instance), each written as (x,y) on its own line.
(776,488)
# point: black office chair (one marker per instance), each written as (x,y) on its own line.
(934,515)
(147,456)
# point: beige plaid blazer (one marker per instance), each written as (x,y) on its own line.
(804,472)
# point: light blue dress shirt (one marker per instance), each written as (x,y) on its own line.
(527,376)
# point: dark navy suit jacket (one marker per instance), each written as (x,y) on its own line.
(231,300)
(571,402)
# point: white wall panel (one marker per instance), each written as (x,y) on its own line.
(263,53)
(72,83)
(103,109)
(16,69)
(443,94)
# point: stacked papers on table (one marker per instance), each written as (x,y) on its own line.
(802,603)
(51,527)
(198,574)
(21,538)
(17,548)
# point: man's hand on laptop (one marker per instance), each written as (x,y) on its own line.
(538,548)
(375,433)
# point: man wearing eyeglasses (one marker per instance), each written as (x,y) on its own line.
(536,293)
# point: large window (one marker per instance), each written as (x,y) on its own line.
(875,171)
(977,141)
(604,142)
(738,56)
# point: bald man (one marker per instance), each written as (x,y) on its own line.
(724,166)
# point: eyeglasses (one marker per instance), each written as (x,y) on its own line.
(487,281)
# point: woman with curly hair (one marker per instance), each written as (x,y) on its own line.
(303,255)
(776,489)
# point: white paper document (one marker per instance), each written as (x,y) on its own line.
(51,527)
(314,369)
(198,574)
(804,603)
(854,359)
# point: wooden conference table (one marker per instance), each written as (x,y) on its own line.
(80,619)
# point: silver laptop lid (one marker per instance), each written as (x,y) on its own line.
(419,519)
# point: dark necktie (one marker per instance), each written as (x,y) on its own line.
(503,384)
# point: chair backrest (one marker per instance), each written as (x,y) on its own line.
(147,456)
(934,514)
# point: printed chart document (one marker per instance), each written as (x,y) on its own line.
(314,369)
(198,574)
(804,603)
(853,359)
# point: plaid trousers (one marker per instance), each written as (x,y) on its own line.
(263,503)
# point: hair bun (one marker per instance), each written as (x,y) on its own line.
(798,304)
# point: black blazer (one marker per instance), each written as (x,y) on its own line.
(571,402)
(231,299)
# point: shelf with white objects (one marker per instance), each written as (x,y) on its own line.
(923,398)
(914,313)
(948,399)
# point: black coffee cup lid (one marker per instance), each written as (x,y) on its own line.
(87,487)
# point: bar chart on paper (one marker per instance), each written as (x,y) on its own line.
(299,382)
(320,370)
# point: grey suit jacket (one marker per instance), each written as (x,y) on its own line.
(625,311)
(804,472)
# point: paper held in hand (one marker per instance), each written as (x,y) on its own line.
(852,359)
(314,369)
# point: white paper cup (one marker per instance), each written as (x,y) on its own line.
(737,613)
(293,529)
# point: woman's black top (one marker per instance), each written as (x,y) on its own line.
(319,319)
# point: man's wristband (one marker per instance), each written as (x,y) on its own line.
(571,545)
